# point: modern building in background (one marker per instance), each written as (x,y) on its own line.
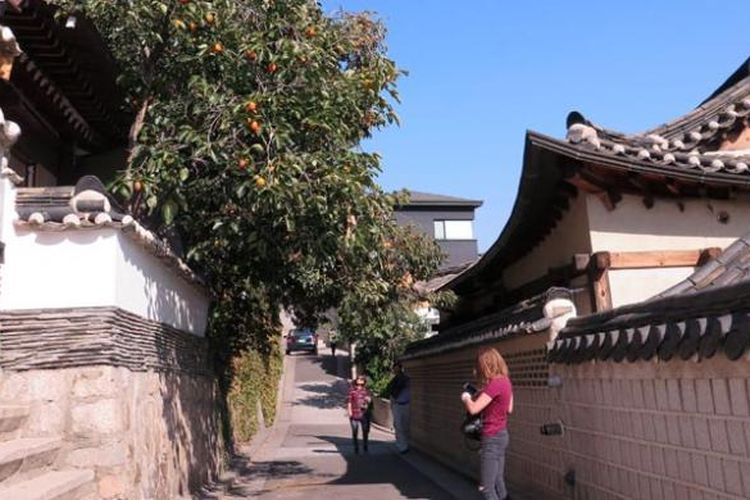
(447,219)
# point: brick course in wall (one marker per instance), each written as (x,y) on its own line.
(648,430)
(133,400)
(681,427)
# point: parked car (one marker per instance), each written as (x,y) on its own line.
(302,339)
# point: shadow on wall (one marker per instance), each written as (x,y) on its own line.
(190,419)
(169,297)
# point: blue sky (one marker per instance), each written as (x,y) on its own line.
(482,72)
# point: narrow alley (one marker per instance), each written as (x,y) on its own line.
(309,453)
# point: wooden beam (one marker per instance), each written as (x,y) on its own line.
(660,258)
(583,184)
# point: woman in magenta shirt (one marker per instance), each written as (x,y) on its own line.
(494,402)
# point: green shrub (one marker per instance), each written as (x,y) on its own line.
(256,379)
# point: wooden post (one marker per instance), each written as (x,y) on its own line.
(601,298)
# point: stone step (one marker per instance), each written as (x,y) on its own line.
(65,484)
(19,456)
(11,417)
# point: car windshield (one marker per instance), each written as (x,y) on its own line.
(302,333)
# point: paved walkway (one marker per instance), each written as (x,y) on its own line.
(309,454)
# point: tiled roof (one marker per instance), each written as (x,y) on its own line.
(690,142)
(730,267)
(706,312)
(68,75)
(419,198)
(9,132)
(8,44)
(86,206)
(525,317)
(442,277)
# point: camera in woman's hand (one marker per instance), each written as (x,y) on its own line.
(470,388)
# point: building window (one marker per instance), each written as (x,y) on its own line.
(454,230)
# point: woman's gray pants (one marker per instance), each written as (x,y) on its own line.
(493,465)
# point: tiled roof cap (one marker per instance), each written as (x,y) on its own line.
(88,206)
(9,132)
(8,44)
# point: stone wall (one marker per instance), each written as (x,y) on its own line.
(646,430)
(133,400)
(437,412)
(676,429)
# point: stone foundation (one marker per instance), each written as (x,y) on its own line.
(132,400)
(145,434)
(648,430)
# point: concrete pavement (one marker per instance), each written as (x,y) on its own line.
(309,453)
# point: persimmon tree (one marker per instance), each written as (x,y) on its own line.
(247,117)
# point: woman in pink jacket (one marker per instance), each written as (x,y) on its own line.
(358,409)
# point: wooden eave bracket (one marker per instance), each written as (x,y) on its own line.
(585,182)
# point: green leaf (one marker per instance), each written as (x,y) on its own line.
(168,211)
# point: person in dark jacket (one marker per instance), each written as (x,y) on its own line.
(399,392)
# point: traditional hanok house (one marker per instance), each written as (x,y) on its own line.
(602,221)
(106,390)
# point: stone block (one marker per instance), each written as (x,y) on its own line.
(46,419)
(95,382)
(745,475)
(670,459)
(673,394)
(687,437)
(15,387)
(732,477)
(668,488)
(702,436)
(638,401)
(684,464)
(657,455)
(100,417)
(715,474)
(698,469)
(721,396)
(673,430)
(704,396)
(738,396)
(656,491)
(660,424)
(649,397)
(106,455)
(111,486)
(48,385)
(718,432)
(735,433)
(687,393)
(660,388)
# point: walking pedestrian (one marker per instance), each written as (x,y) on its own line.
(399,392)
(332,340)
(495,403)
(358,409)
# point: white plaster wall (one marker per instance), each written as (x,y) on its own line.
(60,269)
(569,237)
(633,227)
(145,286)
(628,286)
(93,268)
